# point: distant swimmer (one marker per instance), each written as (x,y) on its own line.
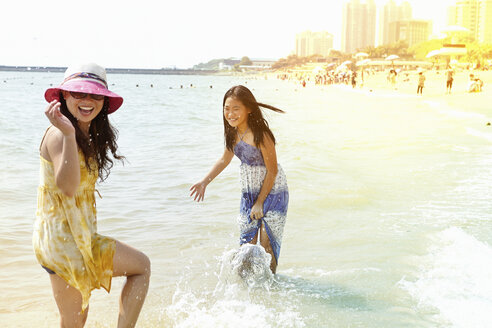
(265,196)
(151,85)
(211,87)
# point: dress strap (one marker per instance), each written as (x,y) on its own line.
(44,136)
(241,136)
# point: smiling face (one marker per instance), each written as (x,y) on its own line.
(84,109)
(236,114)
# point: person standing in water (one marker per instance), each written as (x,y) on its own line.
(449,79)
(74,152)
(421,83)
(265,195)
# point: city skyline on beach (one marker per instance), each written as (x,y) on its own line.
(157,35)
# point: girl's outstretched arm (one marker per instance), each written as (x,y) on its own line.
(198,189)
(270,156)
(60,147)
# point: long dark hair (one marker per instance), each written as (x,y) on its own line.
(256,122)
(100,141)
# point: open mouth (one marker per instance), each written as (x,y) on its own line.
(86,110)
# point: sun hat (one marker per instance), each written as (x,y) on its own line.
(86,78)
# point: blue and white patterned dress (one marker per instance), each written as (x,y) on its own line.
(253,172)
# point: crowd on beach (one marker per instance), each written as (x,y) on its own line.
(396,78)
(328,78)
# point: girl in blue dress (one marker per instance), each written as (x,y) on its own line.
(264,193)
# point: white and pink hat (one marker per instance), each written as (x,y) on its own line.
(86,78)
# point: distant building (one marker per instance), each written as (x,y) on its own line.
(228,64)
(264,63)
(392,12)
(485,21)
(464,13)
(359,25)
(475,15)
(313,43)
(256,63)
(411,31)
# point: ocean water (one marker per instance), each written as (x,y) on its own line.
(389,223)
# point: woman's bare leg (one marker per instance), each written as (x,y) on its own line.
(135,265)
(265,242)
(69,302)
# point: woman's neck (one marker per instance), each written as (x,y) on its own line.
(85,127)
(242,130)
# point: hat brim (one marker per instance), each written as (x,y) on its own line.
(115,101)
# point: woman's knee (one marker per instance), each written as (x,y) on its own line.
(146,265)
(75,320)
(129,261)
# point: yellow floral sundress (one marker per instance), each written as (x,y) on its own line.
(65,237)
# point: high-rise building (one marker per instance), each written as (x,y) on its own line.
(484,34)
(359,25)
(313,43)
(475,15)
(389,13)
(411,31)
(464,13)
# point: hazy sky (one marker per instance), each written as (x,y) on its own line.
(155,34)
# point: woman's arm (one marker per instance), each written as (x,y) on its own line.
(270,157)
(198,189)
(61,147)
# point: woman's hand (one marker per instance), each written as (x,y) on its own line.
(257,211)
(198,189)
(60,121)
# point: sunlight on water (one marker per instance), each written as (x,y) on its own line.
(389,220)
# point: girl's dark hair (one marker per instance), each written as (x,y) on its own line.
(256,122)
(102,139)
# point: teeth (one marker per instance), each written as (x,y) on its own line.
(86,108)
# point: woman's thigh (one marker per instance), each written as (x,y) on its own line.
(69,302)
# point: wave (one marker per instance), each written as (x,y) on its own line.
(454,279)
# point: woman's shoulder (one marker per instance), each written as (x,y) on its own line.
(52,141)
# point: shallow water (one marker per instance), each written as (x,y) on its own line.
(389,221)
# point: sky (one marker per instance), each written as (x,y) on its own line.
(168,33)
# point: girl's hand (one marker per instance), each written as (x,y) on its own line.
(256,211)
(198,189)
(60,121)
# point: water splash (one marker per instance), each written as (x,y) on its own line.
(243,296)
(249,266)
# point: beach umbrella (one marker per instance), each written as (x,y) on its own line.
(347,62)
(361,55)
(363,62)
(330,65)
(433,53)
(392,57)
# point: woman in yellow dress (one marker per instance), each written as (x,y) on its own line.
(74,152)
